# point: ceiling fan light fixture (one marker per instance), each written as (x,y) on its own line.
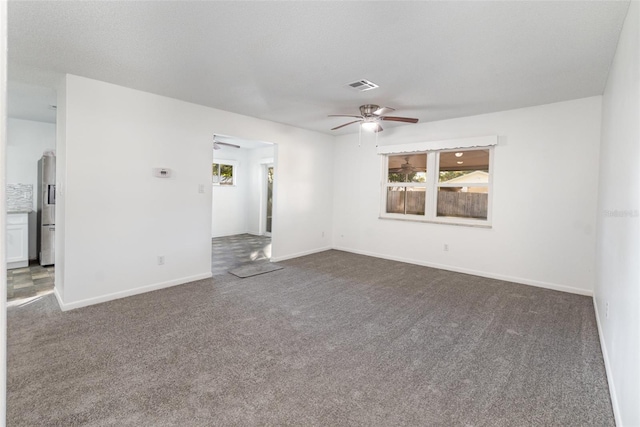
(370,126)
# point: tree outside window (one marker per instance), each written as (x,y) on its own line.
(222,174)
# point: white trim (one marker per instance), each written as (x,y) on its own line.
(440,220)
(264,197)
(235,233)
(447,144)
(522,281)
(607,368)
(130,292)
(58,298)
(299,254)
(17,264)
(463,184)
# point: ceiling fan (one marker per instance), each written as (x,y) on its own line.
(405,168)
(217,145)
(371,115)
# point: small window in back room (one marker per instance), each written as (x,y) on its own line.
(223,174)
(463,184)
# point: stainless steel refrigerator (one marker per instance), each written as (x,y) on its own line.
(46,208)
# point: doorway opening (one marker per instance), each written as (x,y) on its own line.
(30,184)
(243,202)
(268,196)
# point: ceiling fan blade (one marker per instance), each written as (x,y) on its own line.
(383,110)
(344,115)
(346,124)
(399,119)
(227,144)
(217,144)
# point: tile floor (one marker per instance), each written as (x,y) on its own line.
(30,281)
(226,254)
(231,251)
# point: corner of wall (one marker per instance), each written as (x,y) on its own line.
(61,190)
(617,296)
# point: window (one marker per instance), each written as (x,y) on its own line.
(223,173)
(449,186)
(463,184)
(406,184)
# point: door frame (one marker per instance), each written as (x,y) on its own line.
(264,199)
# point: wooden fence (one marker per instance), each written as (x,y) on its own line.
(450,203)
(465,205)
(414,201)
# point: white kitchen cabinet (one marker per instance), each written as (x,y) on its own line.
(17,240)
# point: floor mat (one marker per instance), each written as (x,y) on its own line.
(253,269)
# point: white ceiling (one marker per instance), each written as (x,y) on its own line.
(289,61)
(30,102)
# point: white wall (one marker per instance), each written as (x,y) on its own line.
(544,198)
(26,141)
(3,218)
(117,218)
(618,249)
(61,189)
(229,203)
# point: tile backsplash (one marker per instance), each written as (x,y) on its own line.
(19,197)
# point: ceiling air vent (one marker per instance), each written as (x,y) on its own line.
(362,85)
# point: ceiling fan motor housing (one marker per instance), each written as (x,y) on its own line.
(368,109)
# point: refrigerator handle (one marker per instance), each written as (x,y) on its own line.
(51,194)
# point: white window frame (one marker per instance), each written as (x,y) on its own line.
(432,185)
(234,164)
(386,184)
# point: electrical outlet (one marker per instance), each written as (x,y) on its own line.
(446,248)
(160,259)
(606,310)
(201,188)
(323,234)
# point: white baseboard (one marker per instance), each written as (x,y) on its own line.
(117,295)
(215,236)
(299,254)
(607,368)
(58,297)
(539,284)
(17,264)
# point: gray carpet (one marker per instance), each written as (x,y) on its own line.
(253,269)
(333,339)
